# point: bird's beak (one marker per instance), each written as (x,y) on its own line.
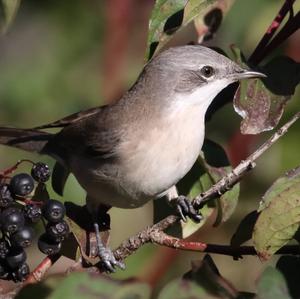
(245,74)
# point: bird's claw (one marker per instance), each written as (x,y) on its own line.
(109,262)
(185,208)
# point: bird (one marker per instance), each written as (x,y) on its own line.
(135,150)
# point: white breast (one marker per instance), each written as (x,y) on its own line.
(166,152)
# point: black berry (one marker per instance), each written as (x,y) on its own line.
(32,212)
(57,231)
(4,272)
(40,172)
(5,196)
(53,210)
(12,219)
(21,273)
(21,184)
(22,237)
(4,249)
(16,257)
(48,246)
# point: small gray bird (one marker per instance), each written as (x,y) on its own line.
(138,148)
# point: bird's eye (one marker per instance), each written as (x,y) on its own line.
(207,71)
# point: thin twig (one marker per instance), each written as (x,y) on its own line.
(291,26)
(155,233)
(227,182)
(256,55)
(234,251)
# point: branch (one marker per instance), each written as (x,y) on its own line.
(39,272)
(291,26)
(234,251)
(256,55)
(154,234)
(227,182)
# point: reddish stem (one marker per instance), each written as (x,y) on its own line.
(289,28)
(234,251)
(39,272)
(11,169)
(256,56)
(29,201)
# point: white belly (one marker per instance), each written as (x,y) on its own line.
(164,155)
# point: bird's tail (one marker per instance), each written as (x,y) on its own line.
(26,139)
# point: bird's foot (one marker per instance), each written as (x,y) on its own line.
(185,209)
(108,262)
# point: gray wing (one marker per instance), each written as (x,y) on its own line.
(92,135)
(95,135)
(70,119)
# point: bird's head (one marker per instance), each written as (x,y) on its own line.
(196,74)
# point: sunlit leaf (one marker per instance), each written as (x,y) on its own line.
(162,10)
(261,103)
(209,20)
(169,16)
(280,215)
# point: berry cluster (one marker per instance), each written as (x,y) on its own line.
(18,213)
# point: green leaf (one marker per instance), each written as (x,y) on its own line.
(9,10)
(163,9)
(82,285)
(261,103)
(169,16)
(280,215)
(272,285)
(217,166)
(183,289)
(207,24)
(206,275)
